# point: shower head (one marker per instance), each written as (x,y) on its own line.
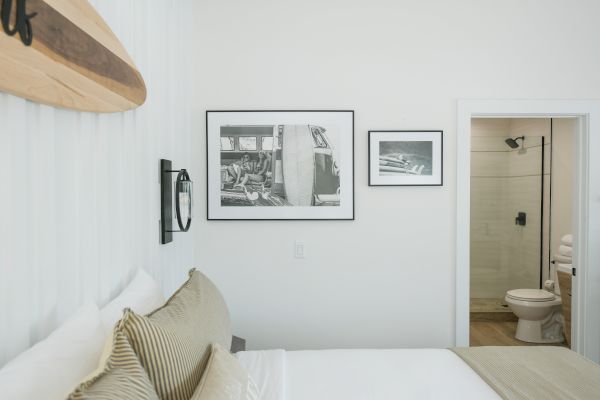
(512,143)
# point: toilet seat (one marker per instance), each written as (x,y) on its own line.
(537,295)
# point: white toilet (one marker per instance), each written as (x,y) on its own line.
(540,320)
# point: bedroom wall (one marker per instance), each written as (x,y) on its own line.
(80,196)
(386,279)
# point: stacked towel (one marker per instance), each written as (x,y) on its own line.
(568,268)
(562,259)
(567,240)
(565,250)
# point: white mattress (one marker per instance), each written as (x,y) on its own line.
(364,375)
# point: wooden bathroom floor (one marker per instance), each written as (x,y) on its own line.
(491,310)
(488,305)
(498,333)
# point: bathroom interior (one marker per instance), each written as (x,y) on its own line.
(522,173)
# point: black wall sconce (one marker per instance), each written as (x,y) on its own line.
(183,200)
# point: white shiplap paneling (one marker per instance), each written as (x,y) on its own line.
(79,195)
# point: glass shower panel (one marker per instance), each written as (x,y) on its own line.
(506,215)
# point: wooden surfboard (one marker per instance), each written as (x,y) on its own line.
(74,61)
(298,165)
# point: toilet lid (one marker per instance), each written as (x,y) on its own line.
(530,294)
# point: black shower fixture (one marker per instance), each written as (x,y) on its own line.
(521,219)
(512,143)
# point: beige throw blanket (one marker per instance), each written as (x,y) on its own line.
(536,372)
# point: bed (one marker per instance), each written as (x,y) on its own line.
(89,354)
(364,374)
(482,373)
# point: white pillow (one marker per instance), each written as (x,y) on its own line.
(142,295)
(53,367)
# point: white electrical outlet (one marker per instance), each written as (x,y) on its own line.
(299,250)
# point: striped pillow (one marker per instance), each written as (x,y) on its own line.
(123,378)
(225,379)
(173,342)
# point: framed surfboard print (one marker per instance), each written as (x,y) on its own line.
(405,158)
(280,165)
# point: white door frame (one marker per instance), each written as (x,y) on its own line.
(586,250)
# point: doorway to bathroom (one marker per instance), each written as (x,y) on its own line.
(514,223)
(586,210)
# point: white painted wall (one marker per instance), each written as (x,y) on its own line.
(80,197)
(388,278)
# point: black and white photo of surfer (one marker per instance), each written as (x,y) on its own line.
(405,158)
(279,165)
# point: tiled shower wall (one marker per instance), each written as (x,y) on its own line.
(504,182)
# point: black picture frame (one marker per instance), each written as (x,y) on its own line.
(407,180)
(209,217)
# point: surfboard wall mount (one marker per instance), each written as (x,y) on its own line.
(183,200)
(22,23)
(62,53)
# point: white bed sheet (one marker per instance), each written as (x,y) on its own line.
(364,375)
(267,369)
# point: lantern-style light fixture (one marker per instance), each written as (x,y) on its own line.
(183,201)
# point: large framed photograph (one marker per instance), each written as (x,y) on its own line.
(280,165)
(405,158)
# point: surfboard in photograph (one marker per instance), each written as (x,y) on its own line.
(62,53)
(298,165)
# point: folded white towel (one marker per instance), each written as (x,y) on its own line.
(565,250)
(568,268)
(562,259)
(567,240)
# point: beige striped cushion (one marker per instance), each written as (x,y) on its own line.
(173,342)
(225,379)
(123,378)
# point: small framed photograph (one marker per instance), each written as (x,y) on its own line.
(280,165)
(405,158)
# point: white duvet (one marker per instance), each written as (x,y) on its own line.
(364,375)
